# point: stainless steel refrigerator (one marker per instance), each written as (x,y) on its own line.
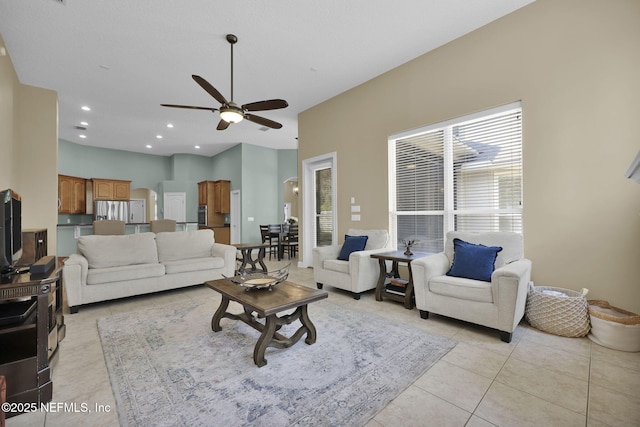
(111,209)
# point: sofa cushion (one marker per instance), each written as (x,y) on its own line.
(336,265)
(115,251)
(473,261)
(177,245)
(352,244)
(97,276)
(193,264)
(460,288)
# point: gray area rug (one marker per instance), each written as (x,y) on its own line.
(168,368)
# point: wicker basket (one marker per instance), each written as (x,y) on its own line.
(614,327)
(558,311)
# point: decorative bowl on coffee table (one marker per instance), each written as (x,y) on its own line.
(260,280)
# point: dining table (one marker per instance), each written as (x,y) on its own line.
(279,233)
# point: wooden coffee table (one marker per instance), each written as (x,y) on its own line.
(267,304)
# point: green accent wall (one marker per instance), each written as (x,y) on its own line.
(144,170)
(258,173)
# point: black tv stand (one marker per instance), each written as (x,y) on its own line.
(30,335)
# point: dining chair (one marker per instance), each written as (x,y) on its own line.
(264,233)
(291,242)
(275,231)
(160,225)
(108,227)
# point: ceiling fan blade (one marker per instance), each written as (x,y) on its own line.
(270,104)
(263,121)
(222,125)
(210,89)
(193,107)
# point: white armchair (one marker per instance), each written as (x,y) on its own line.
(358,274)
(497,304)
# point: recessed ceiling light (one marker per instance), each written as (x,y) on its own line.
(85,108)
(197,147)
(84,123)
(82,136)
(169,125)
(148,146)
(159,136)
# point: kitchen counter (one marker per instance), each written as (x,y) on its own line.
(90,224)
(69,233)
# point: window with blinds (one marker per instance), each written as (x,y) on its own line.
(463,174)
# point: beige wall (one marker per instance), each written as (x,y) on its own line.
(574,65)
(8,81)
(29,144)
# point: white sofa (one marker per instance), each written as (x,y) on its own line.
(357,275)
(111,267)
(497,304)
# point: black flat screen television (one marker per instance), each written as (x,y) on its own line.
(10,231)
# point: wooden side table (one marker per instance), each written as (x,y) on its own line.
(246,249)
(396,257)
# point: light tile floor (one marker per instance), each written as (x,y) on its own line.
(537,380)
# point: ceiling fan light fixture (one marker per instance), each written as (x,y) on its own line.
(231,115)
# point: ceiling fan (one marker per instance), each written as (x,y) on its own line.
(230,112)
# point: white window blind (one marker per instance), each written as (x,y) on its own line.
(464,174)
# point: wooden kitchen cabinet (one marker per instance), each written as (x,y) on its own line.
(206,192)
(71,194)
(110,189)
(222,201)
(106,189)
(216,195)
(80,193)
(222,235)
(121,190)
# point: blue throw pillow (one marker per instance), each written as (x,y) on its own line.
(473,261)
(352,244)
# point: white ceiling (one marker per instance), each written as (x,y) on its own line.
(123,58)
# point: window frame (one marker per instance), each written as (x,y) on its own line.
(450,211)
